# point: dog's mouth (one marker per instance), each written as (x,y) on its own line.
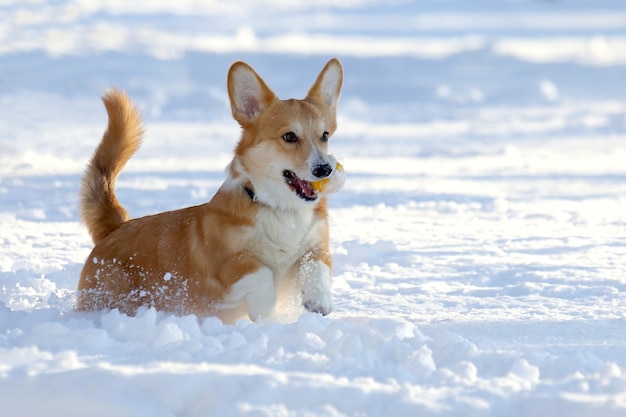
(302,188)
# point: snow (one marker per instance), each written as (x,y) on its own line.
(479,242)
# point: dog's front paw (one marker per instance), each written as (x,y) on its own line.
(323,306)
(317,287)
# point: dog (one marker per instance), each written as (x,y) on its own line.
(262,238)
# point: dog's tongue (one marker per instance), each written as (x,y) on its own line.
(305,186)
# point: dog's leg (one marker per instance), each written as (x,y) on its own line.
(257,290)
(316,280)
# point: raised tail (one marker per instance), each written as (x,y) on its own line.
(99,209)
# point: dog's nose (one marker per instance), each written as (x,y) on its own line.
(322,170)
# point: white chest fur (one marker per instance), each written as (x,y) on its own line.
(283,236)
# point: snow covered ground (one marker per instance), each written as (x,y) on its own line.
(479,244)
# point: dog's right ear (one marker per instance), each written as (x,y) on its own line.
(249,95)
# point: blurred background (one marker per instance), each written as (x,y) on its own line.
(405,60)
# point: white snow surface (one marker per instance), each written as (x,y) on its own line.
(479,243)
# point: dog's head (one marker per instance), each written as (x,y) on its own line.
(284,145)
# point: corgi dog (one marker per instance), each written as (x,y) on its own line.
(261,239)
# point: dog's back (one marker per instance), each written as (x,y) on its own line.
(99,208)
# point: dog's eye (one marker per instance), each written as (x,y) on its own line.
(325,137)
(290,137)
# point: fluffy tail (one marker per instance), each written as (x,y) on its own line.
(99,209)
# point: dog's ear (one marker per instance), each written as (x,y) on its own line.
(249,95)
(328,85)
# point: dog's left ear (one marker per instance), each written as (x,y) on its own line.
(328,85)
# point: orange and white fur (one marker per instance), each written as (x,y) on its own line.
(262,238)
